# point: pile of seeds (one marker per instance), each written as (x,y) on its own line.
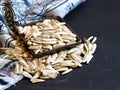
(47,35)
(50,66)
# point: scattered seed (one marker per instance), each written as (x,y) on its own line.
(67,71)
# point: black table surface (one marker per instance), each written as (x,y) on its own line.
(100,18)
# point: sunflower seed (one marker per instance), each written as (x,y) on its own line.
(94,39)
(37,80)
(67,71)
(26,74)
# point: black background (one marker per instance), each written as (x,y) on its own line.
(100,18)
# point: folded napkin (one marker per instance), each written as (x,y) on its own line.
(25,11)
(7,77)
